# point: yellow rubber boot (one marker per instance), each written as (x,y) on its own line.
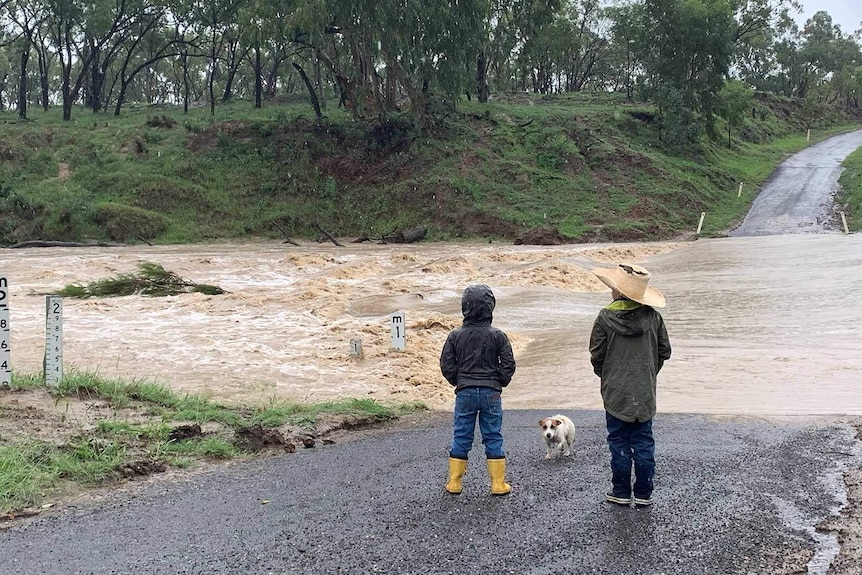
(457,468)
(497,471)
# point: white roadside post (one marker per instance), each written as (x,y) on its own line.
(844,221)
(700,223)
(398,341)
(356,348)
(53,362)
(5,340)
(739,193)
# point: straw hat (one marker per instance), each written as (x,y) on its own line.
(633,282)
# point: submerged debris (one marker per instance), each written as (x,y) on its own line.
(151,279)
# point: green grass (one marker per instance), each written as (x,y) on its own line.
(587,164)
(851,190)
(31,470)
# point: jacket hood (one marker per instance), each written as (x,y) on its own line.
(477,305)
(627,318)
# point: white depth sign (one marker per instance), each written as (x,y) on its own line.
(5,340)
(398,341)
(53,363)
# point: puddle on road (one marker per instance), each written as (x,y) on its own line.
(760,326)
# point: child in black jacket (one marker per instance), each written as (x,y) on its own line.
(477,360)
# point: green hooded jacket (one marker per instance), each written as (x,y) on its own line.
(628,346)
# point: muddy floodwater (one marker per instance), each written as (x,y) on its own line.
(764,325)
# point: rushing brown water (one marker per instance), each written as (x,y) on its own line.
(760,326)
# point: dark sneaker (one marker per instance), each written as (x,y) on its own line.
(643,502)
(618,499)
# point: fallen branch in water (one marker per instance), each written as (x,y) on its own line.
(151,280)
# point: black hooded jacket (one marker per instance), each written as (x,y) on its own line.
(477,354)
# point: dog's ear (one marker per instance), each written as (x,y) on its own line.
(541,423)
(558,422)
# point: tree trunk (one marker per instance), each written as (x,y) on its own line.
(185,60)
(315,103)
(43,79)
(22,85)
(258,81)
(95,79)
(482,90)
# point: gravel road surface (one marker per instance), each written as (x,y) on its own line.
(731,497)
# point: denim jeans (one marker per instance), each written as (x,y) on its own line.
(485,403)
(631,443)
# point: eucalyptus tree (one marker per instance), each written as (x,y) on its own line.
(574,41)
(625,30)
(375,50)
(685,47)
(262,29)
(79,31)
(25,19)
(188,31)
(217,18)
(150,42)
(791,76)
(735,99)
(547,54)
(760,24)
(506,26)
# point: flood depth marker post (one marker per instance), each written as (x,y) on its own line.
(5,340)
(398,341)
(356,348)
(53,363)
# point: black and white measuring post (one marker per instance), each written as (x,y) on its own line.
(398,341)
(5,339)
(53,363)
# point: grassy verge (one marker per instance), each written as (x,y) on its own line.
(136,428)
(591,166)
(851,190)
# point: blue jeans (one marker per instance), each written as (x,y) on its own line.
(631,443)
(485,403)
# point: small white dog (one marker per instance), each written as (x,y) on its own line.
(559,434)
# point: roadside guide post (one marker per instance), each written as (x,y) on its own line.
(53,362)
(5,343)
(700,223)
(356,348)
(844,221)
(739,193)
(398,341)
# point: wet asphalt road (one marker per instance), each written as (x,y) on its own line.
(797,198)
(731,497)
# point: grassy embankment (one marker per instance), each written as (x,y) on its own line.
(589,166)
(851,190)
(132,429)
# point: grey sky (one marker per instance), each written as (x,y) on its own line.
(845,13)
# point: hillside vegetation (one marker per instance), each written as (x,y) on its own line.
(584,167)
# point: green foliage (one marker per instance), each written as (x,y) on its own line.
(510,165)
(151,280)
(209,447)
(32,469)
(735,99)
(121,222)
(851,190)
